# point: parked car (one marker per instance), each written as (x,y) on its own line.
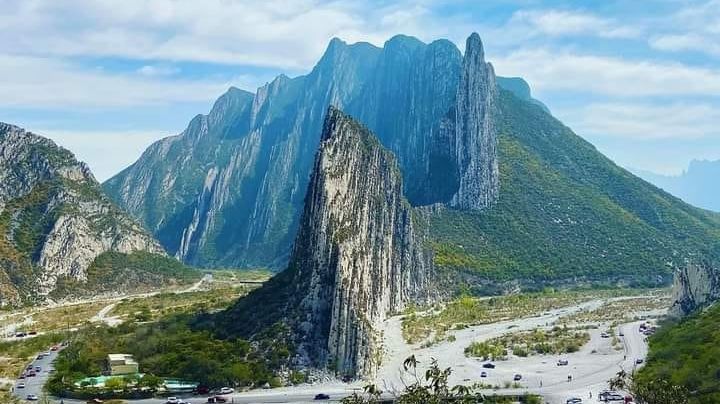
(562,362)
(20,334)
(226,390)
(21,385)
(488,365)
(95,401)
(32,333)
(573,400)
(605,335)
(517,377)
(483,374)
(611,396)
(639,361)
(55,348)
(38,369)
(322,396)
(31,397)
(172,400)
(39,357)
(31,374)
(217,399)
(202,390)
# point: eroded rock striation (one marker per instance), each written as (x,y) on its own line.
(54,218)
(229,189)
(356,258)
(695,286)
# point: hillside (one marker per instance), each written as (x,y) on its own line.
(685,354)
(356,259)
(57,227)
(567,214)
(540,205)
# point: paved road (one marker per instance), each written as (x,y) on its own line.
(34,385)
(591,368)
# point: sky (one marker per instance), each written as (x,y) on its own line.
(105,78)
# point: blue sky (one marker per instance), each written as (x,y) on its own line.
(639,79)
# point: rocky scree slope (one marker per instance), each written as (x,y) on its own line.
(357,258)
(228,190)
(54,219)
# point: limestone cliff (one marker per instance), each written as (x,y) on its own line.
(356,259)
(696,285)
(229,189)
(54,219)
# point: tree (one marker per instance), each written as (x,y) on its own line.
(432,388)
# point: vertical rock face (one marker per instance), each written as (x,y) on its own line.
(228,190)
(54,219)
(356,256)
(475,140)
(695,286)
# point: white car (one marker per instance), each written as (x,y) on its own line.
(172,400)
(226,390)
(31,397)
(21,385)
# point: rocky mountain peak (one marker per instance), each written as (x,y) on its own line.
(474,51)
(54,218)
(356,259)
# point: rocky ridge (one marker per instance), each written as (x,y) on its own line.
(695,286)
(357,257)
(228,190)
(54,218)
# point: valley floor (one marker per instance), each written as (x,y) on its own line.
(591,366)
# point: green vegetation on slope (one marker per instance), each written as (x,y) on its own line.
(567,213)
(114,271)
(171,348)
(687,354)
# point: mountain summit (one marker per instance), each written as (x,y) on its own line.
(511,197)
(357,257)
(55,223)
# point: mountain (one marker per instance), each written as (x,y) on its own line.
(697,185)
(696,286)
(228,190)
(509,195)
(357,257)
(56,226)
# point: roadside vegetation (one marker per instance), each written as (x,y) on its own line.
(557,340)
(173,348)
(158,306)
(431,325)
(685,354)
(624,310)
(433,388)
(15,355)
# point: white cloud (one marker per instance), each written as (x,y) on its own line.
(644,121)
(105,152)
(43,82)
(563,22)
(549,70)
(694,28)
(152,70)
(274,33)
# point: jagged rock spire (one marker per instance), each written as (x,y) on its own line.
(475,139)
